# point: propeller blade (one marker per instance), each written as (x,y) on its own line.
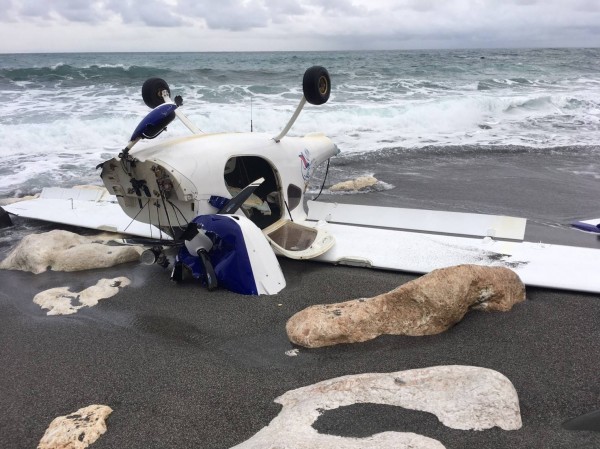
(235,203)
(209,271)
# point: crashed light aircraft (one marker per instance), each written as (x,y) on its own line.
(229,203)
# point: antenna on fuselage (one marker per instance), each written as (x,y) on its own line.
(316,86)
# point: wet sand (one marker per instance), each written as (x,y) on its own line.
(182,367)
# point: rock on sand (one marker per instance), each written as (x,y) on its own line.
(65,251)
(77,430)
(428,305)
(462,397)
(360,183)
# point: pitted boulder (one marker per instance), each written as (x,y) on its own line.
(65,251)
(425,306)
(462,397)
(77,430)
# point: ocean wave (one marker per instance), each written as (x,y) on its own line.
(537,103)
(511,83)
(86,105)
(107,73)
(394,154)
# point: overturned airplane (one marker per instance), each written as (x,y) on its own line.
(228,203)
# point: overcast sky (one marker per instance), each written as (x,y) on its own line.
(253,25)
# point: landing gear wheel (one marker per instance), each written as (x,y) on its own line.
(152,92)
(316,85)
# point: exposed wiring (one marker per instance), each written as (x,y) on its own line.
(324,179)
(162,197)
(174,206)
(176,216)
(158,218)
(288,209)
(133,219)
(150,223)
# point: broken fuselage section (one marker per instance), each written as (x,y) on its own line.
(169,184)
(230,199)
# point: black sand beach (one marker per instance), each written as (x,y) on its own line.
(182,367)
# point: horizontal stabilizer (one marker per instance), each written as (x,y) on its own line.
(592,225)
(438,222)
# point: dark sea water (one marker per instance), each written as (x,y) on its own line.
(499,131)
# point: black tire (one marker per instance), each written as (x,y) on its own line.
(316,85)
(151,92)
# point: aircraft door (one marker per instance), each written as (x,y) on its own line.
(298,241)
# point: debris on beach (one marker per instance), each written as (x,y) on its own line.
(292,352)
(462,397)
(428,305)
(77,430)
(358,184)
(62,301)
(59,250)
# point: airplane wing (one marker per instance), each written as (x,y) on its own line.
(86,208)
(421,241)
(538,264)
(408,240)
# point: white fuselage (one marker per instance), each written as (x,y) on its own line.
(171,183)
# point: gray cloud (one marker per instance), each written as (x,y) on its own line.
(156,13)
(6,10)
(70,10)
(298,24)
(337,7)
(233,15)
